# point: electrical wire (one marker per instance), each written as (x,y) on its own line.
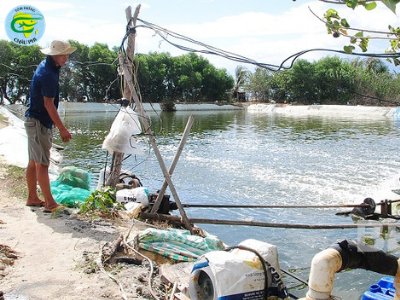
(167,35)
(151,263)
(298,54)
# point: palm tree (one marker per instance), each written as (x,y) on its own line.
(376,65)
(240,76)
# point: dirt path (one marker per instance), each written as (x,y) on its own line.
(42,257)
(56,255)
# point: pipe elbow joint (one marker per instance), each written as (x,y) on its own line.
(324,266)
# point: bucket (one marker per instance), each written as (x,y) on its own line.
(203,283)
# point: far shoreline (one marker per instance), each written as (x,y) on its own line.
(356,111)
(288,109)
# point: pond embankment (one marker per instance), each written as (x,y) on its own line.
(327,110)
(312,110)
(87,107)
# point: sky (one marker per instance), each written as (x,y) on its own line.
(267,31)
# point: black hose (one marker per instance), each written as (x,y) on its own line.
(356,254)
(263,262)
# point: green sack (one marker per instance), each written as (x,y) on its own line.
(72,187)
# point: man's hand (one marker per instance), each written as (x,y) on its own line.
(65,135)
(53,113)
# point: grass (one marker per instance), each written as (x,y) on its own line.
(13,178)
(99,204)
(3,121)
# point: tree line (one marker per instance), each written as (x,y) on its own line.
(93,74)
(331,80)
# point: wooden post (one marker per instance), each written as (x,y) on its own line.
(384,209)
(116,165)
(126,65)
(173,165)
(118,157)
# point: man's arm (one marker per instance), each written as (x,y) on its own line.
(53,113)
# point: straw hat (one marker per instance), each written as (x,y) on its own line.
(58,47)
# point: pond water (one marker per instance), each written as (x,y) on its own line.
(242,157)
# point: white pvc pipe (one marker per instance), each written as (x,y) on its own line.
(322,274)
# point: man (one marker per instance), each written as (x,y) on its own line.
(40,117)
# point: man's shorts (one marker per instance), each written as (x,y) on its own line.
(40,140)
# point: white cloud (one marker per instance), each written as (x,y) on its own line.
(46,6)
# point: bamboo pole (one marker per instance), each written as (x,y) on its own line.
(264,224)
(118,157)
(116,166)
(128,79)
(273,206)
(174,163)
(154,145)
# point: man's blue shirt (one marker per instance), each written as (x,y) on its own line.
(45,83)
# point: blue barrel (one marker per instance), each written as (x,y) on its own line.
(383,290)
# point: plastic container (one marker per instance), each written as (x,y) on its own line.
(140,195)
(383,290)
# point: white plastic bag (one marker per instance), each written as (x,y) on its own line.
(139,194)
(120,138)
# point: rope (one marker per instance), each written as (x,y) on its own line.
(99,263)
(145,257)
